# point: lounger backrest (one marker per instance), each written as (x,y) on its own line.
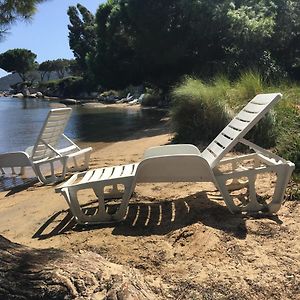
(50,133)
(239,126)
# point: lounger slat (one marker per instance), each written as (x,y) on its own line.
(57,117)
(87,176)
(235,123)
(215,148)
(55,126)
(117,172)
(246,116)
(107,173)
(253,108)
(231,133)
(97,174)
(223,140)
(209,157)
(263,99)
(129,170)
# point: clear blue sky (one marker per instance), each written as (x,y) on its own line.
(47,33)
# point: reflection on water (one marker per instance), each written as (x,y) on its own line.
(21,120)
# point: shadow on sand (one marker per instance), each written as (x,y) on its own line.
(155,218)
(16,184)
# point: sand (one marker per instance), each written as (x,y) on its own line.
(180,236)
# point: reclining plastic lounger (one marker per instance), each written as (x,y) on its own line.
(45,151)
(185,163)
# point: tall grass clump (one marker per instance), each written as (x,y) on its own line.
(249,84)
(288,131)
(199,110)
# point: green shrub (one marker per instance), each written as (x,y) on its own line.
(201,110)
(288,132)
(72,86)
(198,111)
(151,100)
(67,87)
(248,85)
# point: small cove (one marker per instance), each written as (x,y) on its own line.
(21,120)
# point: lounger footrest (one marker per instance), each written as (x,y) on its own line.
(97,180)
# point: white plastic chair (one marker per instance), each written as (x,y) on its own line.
(185,163)
(45,154)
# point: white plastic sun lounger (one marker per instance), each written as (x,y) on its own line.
(45,153)
(185,163)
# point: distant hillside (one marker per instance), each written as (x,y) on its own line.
(11,79)
(8,80)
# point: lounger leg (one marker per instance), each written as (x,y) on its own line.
(283,177)
(101,216)
(53,177)
(283,173)
(122,209)
(252,206)
(76,166)
(221,185)
(121,212)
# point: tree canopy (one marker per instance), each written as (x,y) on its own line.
(157,42)
(82,34)
(18,60)
(12,10)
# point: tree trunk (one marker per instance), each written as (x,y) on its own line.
(27,273)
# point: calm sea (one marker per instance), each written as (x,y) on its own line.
(21,120)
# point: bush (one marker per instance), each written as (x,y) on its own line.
(248,85)
(67,87)
(72,86)
(201,110)
(198,111)
(288,132)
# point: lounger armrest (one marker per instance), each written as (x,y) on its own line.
(14,159)
(171,150)
(81,151)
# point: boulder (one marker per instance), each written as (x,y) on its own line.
(18,95)
(39,95)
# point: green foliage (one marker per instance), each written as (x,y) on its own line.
(46,67)
(11,10)
(198,114)
(72,86)
(288,131)
(82,34)
(157,42)
(199,110)
(154,41)
(61,66)
(248,85)
(151,98)
(18,60)
(69,87)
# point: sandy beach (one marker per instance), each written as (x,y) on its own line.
(180,237)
